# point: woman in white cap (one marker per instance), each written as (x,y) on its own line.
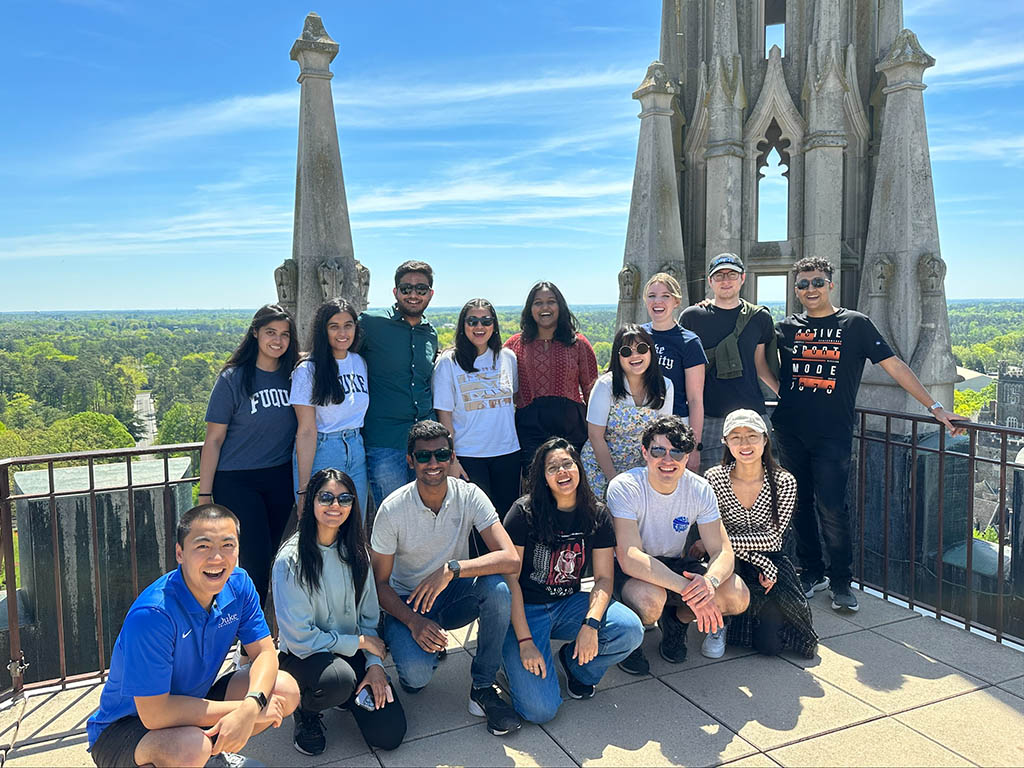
(756,498)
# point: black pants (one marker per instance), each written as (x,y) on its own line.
(262,499)
(497,476)
(767,636)
(821,467)
(548,417)
(327,680)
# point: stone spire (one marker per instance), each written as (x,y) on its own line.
(654,238)
(323,264)
(824,90)
(726,101)
(903,237)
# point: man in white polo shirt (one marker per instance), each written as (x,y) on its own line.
(652,509)
(427,582)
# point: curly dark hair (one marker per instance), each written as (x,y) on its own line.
(567,327)
(414,266)
(539,503)
(674,428)
(327,387)
(813,264)
(427,430)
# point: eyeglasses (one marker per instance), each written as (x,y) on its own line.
(735,440)
(441,454)
(640,349)
(473,321)
(817,282)
(659,451)
(724,275)
(567,466)
(327,498)
(422,289)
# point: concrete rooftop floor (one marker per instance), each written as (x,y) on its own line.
(888,687)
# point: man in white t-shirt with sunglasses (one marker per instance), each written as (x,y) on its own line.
(652,509)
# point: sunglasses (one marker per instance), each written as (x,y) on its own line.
(441,454)
(641,349)
(422,289)
(327,498)
(659,451)
(817,282)
(473,321)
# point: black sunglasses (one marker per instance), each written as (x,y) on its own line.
(327,498)
(472,321)
(441,454)
(817,282)
(641,349)
(422,289)
(659,451)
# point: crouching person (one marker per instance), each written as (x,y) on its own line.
(557,529)
(327,613)
(163,703)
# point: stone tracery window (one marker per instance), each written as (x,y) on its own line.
(773,186)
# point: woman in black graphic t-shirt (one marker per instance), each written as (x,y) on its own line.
(557,528)
(245,464)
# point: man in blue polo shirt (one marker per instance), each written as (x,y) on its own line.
(160,705)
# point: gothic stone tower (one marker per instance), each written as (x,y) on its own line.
(841,106)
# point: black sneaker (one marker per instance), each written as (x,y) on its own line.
(636,663)
(673,637)
(574,687)
(843,598)
(487,702)
(811,584)
(309,738)
(233,760)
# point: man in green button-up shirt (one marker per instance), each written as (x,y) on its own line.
(399,347)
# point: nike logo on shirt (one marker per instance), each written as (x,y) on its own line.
(186,634)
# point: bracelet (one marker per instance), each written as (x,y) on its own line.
(301,493)
(525,639)
(206,494)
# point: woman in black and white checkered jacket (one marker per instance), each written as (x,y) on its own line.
(756,498)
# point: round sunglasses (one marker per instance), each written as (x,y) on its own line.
(817,282)
(344,499)
(641,349)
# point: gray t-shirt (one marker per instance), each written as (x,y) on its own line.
(664,520)
(422,541)
(261,428)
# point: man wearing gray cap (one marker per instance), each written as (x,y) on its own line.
(739,341)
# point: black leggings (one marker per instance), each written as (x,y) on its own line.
(767,637)
(262,501)
(496,476)
(327,680)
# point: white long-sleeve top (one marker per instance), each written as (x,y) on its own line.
(328,619)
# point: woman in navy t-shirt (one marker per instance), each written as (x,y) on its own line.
(245,464)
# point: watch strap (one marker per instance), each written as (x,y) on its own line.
(591,622)
(261,698)
(454,567)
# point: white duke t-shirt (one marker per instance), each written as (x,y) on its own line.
(483,414)
(349,413)
(664,520)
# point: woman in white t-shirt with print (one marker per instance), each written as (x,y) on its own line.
(330,397)
(622,402)
(473,387)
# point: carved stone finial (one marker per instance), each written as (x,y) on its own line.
(332,279)
(906,50)
(313,29)
(880,274)
(931,273)
(629,283)
(314,39)
(672,269)
(655,81)
(286,277)
(362,293)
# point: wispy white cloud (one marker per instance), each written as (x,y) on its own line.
(977,55)
(550,215)
(1006,149)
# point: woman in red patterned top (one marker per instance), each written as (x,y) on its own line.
(557,369)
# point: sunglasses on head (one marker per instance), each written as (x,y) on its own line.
(659,451)
(422,456)
(327,498)
(422,289)
(473,321)
(817,282)
(641,349)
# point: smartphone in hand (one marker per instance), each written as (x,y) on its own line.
(365,699)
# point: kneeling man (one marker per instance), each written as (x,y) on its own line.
(652,509)
(160,705)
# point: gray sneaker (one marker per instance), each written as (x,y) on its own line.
(811,584)
(232,760)
(843,598)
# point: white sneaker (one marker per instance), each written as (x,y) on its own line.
(232,760)
(713,646)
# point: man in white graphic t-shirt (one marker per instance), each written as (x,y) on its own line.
(652,509)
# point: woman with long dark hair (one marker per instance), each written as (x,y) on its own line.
(557,370)
(330,396)
(473,387)
(622,402)
(325,598)
(245,464)
(756,498)
(559,528)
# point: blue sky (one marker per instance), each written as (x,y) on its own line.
(147,155)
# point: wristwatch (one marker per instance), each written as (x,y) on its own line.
(260,697)
(714,581)
(936,406)
(591,622)
(454,567)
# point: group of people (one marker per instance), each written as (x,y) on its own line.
(502,475)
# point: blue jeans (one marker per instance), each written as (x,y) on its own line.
(462,601)
(388,471)
(537,698)
(340,450)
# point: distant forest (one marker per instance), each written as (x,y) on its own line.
(68,380)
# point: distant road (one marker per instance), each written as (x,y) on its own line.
(144,410)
